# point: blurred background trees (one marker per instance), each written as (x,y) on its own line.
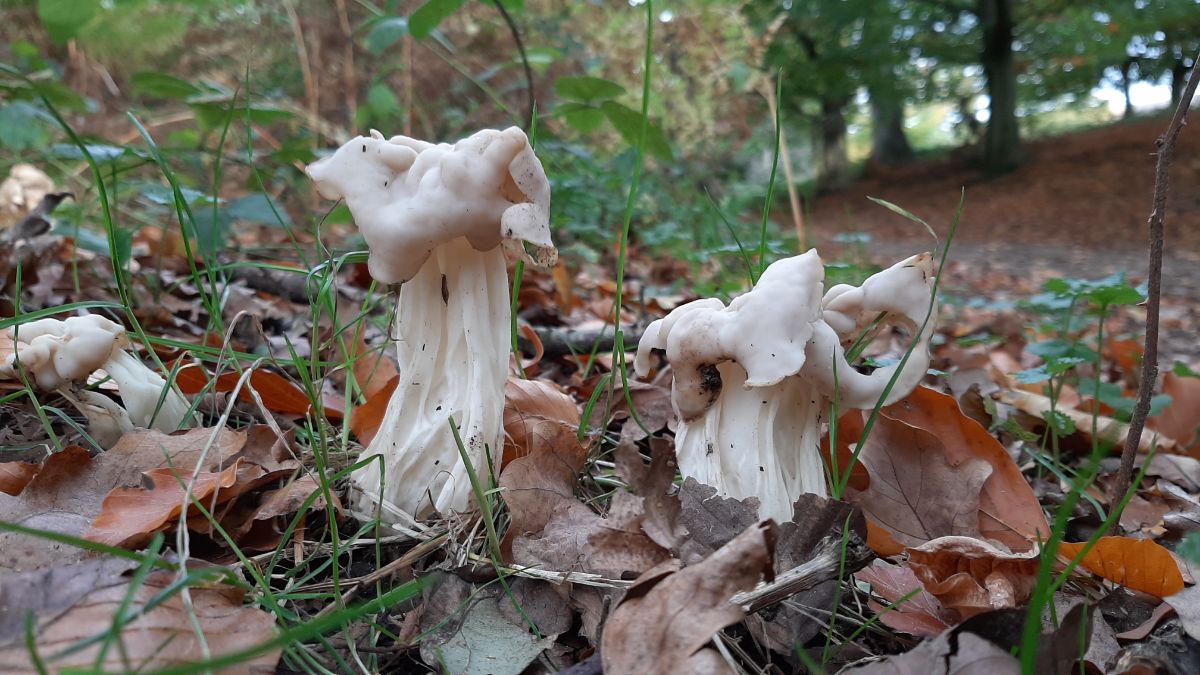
(864,85)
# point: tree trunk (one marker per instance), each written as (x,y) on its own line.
(889,144)
(834,171)
(1002,140)
(1125,84)
(1179,71)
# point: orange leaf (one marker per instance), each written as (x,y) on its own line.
(366,418)
(1008,510)
(1139,564)
(129,516)
(373,367)
(1181,418)
(14,476)
(278,393)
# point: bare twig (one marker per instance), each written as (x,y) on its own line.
(1166,153)
(350,86)
(310,84)
(560,341)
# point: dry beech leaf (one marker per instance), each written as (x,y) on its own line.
(532,409)
(551,529)
(279,394)
(130,516)
(66,494)
(1009,512)
(530,365)
(366,418)
(972,576)
(14,476)
(159,637)
(914,493)
(669,614)
(374,368)
(1139,564)
(1180,420)
(1107,428)
(1187,605)
(921,614)
(540,424)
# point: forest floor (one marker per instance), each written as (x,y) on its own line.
(1076,209)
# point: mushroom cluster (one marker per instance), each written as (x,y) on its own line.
(434,217)
(753,380)
(60,355)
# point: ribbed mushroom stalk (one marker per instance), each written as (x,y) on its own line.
(60,355)
(753,381)
(434,218)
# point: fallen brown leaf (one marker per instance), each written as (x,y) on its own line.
(1140,564)
(1008,510)
(278,393)
(915,494)
(366,418)
(920,614)
(971,576)
(14,476)
(161,635)
(1180,420)
(66,495)
(130,516)
(535,411)
(669,614)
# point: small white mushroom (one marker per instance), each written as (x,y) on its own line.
(753,381)
(60,355)
(434,218)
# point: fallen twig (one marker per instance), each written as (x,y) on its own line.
(1166,153)
(558,341)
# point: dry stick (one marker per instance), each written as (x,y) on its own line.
(351,83)
(793,197)
(310,83)
(1166,153)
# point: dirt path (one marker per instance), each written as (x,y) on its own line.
(1077,209)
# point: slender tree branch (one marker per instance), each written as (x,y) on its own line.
(1166,153)
(531,97)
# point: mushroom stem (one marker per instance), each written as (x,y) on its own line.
(757,441)
(452,332)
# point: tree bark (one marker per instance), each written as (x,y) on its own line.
(834,169)
(889,143)
(1125,84)
(1002,140)
(1179,71)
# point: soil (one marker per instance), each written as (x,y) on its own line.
(1077,208)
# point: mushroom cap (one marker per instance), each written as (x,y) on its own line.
(57,352)
(409,196)
(765,331)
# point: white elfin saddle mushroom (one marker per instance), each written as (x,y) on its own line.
(434,218)
(60,355)
(752,381)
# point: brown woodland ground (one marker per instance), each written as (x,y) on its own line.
(1078,208)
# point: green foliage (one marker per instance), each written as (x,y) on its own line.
(429,15)
(65,18)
